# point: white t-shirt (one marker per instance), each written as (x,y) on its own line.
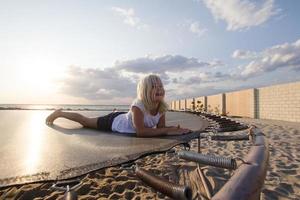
(123,122)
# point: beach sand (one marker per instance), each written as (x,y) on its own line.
(282,181)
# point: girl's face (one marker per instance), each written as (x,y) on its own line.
(157,91)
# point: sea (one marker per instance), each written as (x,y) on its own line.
(70,107)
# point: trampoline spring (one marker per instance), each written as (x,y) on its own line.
(128,166)
(217,161)
(229,137)
(165,187)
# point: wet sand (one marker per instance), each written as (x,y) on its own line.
(282,181)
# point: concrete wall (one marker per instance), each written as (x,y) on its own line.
(172,105)
(240,103)
(203,102)
(182,104)
(279,102)
(177,105)
(216,104)
(189,104)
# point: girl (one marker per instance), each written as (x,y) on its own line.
(146,112)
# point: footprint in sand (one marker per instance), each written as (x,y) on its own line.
(270,194)
(284,189)
(295,132)
(288,171)
(105,189)
(120,188)
(115,196)
(121,178)
(137,198)
(129,195)
(84,189)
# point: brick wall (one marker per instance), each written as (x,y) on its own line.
(240,103)
(182,104)
(279,102)
(189,105)
(203,101)
(177,105)
(172,105)
(216,104)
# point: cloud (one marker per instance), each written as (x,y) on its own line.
(240,54)
(162,64)
(192,91)
(201,77)
(279,56)
(216,63)
(196,28)
(191,80)
(241,14)
(97,84)
(120,80)
(129,17)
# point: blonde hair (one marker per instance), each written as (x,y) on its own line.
(144,93)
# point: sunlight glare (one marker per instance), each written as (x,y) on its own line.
(38,73)
(34,142)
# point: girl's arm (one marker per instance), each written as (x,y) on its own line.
(162,122)
(142,131)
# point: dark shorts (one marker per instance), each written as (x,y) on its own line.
(104,123)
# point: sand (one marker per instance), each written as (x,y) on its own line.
(282,181)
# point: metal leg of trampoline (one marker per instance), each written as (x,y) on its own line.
(208,193)
(199,143)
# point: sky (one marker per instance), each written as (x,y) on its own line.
(94,52)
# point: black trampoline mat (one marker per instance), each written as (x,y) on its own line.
(31,151)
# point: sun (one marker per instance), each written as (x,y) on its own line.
(39,74)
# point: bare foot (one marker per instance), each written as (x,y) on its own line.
(50,119)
